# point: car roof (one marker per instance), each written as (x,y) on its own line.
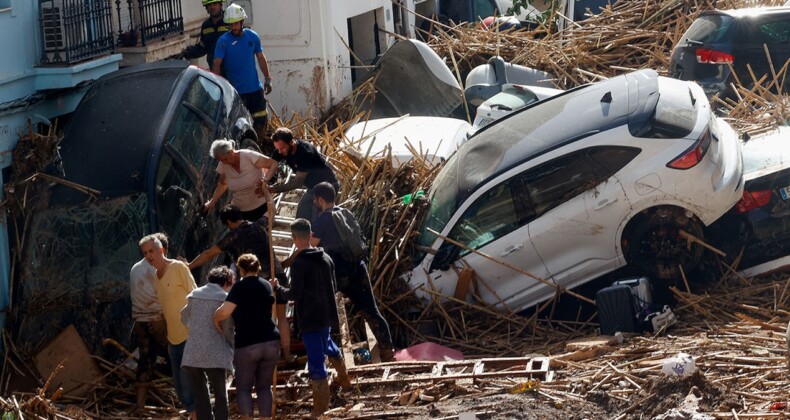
(749,12)
(533,130)
(108,141)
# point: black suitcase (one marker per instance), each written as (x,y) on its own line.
(616,309)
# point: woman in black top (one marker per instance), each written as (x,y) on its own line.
(257,338)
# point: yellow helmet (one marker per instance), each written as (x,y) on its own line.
(207,2)
(234,13)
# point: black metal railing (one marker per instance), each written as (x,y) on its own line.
(75,30)
(148,20)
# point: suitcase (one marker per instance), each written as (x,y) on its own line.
(616,309)
(640,287)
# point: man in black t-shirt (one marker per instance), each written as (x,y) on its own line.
(245,237)
(352,276)
(310,166)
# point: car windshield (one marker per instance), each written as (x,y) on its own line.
(708,29)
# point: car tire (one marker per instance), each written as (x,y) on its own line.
(653,245)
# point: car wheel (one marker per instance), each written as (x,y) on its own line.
(654,245)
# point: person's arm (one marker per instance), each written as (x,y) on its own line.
(216,66)
(294,183)
(204,257)
(222,313)
(264,65)
(222,186)
(270,170)
(295,292)
(186,313)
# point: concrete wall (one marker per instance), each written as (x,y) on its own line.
(305,44)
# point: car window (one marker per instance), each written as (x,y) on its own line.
(559,180)
(708,29)
(485,8)
(493,215)
(777,32)
(193,126)
(609,160)
(175,187)
(205,95)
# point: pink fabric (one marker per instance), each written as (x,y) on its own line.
(428,352)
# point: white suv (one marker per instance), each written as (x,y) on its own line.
(577,186)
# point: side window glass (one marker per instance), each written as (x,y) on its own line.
(174,195)
(555,182)
(609,160)
(492,216)
(776,32)
(193,126)
(205,95)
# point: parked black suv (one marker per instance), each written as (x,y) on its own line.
(719,39)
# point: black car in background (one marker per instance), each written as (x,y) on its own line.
(722,41)
(760,221)
(141,137)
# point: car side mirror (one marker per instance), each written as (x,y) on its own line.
(445,257)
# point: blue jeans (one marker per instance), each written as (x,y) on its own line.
(254,369)
(317,344)
(181,379)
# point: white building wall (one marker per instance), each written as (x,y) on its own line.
(305,45)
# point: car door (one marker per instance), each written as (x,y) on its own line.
(580,206)
(493,222)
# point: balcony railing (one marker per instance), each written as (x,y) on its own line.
(148,19)
(75,30)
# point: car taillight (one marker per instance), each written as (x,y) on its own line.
(693,155)
(707,56)
(752,200)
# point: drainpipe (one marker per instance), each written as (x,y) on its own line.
(325,50)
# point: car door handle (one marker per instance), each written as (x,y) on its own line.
(603,203)
(511,249)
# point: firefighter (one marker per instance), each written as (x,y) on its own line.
(210,31)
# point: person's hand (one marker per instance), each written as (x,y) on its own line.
(273,281)
(267,86)
(207,206)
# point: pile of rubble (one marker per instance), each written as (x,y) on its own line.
(516,366)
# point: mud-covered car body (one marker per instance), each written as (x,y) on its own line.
(578,185)
(141,138)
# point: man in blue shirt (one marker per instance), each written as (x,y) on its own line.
(236,53)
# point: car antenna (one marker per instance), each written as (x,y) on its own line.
(693,99)
(607,97)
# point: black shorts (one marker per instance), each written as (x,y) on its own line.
(256,104)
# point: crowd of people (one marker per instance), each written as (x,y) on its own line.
(239,327)
(235,324)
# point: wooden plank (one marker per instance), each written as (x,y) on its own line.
(462,286)
(373,345)
(345,336)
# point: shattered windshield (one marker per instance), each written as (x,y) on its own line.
(444,200)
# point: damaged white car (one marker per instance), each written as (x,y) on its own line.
(578,185)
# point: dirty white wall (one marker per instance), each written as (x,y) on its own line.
(304,42)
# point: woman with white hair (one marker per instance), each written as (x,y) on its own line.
(241,172)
